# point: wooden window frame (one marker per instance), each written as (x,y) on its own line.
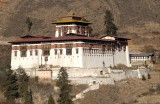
(61,51)
(69,51)
(23,53)
(36,52)
(23,50)
(55,51)
(46,52)
(15,53)
(77,51)
(31,53)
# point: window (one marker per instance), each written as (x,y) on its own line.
(30,53)
(15,53)
(59,31)
(103,49)
(55,51)
(36,52)
(61,51)
(36,46)
(30,47)
(68,51)
(78,29)
(83,30)
(70,29)
(46,58)
(76,51)
(23,51)
(65,30)
(68,45)
(46,52)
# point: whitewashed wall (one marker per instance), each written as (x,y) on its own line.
(122,57)
(96,60)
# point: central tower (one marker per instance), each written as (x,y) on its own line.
(71,24)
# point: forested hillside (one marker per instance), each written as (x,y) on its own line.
(131,16)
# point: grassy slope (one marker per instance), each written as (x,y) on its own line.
(125,91)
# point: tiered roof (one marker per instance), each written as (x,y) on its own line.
(39,39)
(71,19)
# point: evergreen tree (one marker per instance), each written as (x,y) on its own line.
(29,23)
(10,86)
(28,97)
(51,100)
(64,87)
(111,28)
(23,79)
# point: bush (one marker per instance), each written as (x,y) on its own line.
(51,100)
(10,86)
(158,88)
(151,90)
(64,87)
(149,76)
(143,78)
(28,97)
(36,79)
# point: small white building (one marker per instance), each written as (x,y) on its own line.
(141,59)
(71,47)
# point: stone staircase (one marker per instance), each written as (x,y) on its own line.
(81,94)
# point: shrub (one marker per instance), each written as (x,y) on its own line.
(143,78)
(10,86)
(158,88)
(149,76)
(51,100)
(151,90)
(28,97)
(36,79)
(64,87)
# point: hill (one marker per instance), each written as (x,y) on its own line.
(131,17)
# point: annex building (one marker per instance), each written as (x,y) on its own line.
(72,47)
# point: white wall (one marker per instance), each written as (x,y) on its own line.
(96,60)
(122,57)
(28,62)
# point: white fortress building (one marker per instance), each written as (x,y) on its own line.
(72,47)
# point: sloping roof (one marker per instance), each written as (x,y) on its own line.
(35,36)
(66,38)
(71,21)
(76,34)
(141,55)
(117,37)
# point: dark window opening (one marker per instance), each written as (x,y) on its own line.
(30,53)
(23,53)
(76,51)
(36,52)
(61,51)
(68,51)
(15,53)
(46,52)
(55,51)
